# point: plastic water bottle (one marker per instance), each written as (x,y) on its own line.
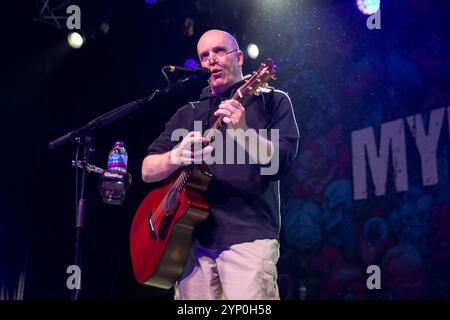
(118,158)
(115,181)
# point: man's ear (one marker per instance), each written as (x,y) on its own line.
(240,56)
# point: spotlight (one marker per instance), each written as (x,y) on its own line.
(252,51)
(368,6)
(191,63)
(75,40)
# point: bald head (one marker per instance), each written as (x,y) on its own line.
(216,34)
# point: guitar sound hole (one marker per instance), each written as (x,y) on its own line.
(172,204)
(164,227)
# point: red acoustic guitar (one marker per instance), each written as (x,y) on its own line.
(161,232)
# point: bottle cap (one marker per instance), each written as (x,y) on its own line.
(119,144)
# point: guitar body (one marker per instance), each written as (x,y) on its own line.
(159,250)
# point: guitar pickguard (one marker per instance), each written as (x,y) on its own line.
(166,221)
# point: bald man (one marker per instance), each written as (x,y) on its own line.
(236,248)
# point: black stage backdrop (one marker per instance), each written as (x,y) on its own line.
(369,193)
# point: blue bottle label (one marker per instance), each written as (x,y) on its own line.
(116,160)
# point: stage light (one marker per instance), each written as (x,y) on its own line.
(154,2)
(368,6)
(191,63)
(252,51)
(75,40)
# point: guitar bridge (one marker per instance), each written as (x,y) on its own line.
(151,228)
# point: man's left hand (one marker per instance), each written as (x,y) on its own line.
(233,114)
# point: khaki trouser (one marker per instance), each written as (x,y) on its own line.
(245,271)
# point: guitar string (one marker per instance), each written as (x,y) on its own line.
(159,210)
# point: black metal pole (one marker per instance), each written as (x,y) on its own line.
(86,143)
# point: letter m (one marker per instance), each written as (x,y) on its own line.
(392,137)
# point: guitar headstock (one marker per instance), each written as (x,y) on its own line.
(259,78)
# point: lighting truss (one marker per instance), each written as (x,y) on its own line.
(52,12)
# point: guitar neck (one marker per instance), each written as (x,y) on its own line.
(184,176)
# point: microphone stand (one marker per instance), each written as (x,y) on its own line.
(83,137)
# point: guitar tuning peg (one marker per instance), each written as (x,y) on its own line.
(273,77)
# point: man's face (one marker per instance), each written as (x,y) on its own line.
(225,68)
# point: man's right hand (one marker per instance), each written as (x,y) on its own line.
(190,150)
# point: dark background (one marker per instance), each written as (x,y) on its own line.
(341,77)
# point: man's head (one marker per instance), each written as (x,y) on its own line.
(219,52)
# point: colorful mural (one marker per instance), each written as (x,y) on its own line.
(370,186)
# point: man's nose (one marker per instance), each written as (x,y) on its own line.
(212,60)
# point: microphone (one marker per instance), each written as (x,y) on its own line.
(199,72)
